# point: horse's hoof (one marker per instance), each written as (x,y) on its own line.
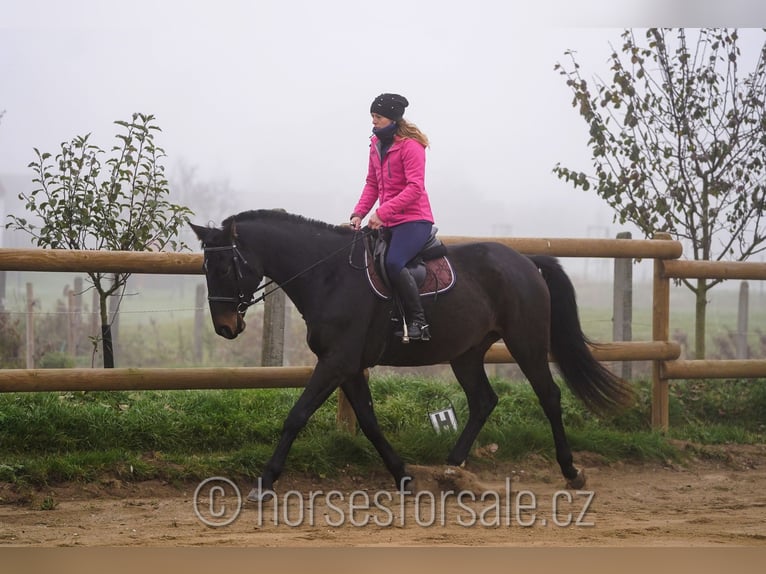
(260,495)
(578,482)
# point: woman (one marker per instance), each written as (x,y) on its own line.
(396,180)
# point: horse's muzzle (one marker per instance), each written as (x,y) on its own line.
(228,331)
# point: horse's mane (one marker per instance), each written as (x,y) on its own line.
(279,215)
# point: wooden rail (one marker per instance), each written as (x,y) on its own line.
(571,247)
(713,270)
(718,369)
(166,263)
(617,351)
(144,379)
(62,260)
(152,379)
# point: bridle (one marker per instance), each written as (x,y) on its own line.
(239,261)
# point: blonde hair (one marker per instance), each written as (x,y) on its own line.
(408,130)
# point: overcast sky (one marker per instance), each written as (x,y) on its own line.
(272,96)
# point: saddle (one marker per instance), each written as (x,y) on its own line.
(431,269)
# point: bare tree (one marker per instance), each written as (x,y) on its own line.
(678,141)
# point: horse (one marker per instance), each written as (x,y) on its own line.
(527,301)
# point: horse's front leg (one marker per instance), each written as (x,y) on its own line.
(324,380)
(358,392)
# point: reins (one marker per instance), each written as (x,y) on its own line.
(243,304)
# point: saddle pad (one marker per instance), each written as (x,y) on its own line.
(439,278)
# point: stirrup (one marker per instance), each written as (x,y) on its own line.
(421,333)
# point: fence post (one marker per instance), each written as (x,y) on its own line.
(30,350)
(70,323)
(199,319)
(660,332)
(273,349)
(345,418)
(742,312)
(77,315)
(622,312)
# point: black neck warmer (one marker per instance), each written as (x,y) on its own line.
(386,136)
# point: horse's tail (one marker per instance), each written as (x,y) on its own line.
(600,389)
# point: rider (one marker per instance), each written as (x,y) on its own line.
(396,180)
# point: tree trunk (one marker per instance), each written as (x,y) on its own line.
(106,332)
(106,343)
(699,318)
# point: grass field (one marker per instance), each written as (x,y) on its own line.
(48,438)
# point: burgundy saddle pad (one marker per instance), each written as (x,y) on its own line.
(440,277)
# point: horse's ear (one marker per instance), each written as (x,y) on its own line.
(202,232)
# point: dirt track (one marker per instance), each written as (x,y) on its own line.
(714,501)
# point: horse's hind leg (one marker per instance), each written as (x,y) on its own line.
(358,393)
(536,368)
(469,371)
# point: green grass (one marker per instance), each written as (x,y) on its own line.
(48,438)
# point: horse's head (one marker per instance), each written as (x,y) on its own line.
(231,278)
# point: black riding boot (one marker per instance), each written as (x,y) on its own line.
(407,289)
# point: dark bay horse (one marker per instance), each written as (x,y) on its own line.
(527,301)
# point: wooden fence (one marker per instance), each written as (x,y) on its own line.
(663,353)
(665,370)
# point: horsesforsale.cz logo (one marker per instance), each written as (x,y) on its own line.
(217,501)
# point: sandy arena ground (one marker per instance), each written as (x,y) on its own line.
(715,500)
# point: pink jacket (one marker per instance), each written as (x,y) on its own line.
(397,184)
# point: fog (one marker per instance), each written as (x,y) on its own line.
(268,101)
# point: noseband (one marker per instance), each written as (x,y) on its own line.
(238,261)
